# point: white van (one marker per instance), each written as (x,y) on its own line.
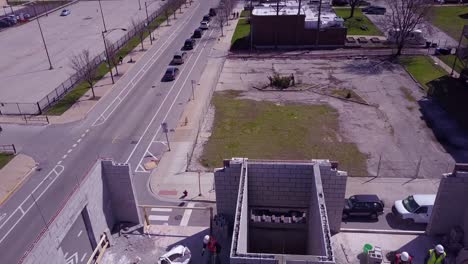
(417,207)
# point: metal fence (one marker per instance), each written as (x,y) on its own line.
(13,108)
(9,149)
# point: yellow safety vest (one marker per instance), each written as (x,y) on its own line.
(433,259)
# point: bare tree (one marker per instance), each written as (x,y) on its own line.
(112,51)
(353,4)
(85,68)
(404,17)
(140,33)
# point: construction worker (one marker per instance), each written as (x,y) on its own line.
(213,247)
(436,255)
(403,258)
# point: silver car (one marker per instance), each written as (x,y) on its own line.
(177,255)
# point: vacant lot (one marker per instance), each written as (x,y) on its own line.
(387,129)
(359,24)
(267,130)
(451,19)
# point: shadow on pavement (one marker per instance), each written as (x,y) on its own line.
(396,222)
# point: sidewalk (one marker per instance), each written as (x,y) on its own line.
(170,178)
(13,175)
(447,68)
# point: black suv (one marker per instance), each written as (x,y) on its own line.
(368,205)
(197,33)
(189,44)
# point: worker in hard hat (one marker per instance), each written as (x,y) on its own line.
(436,255)
(213,247)
(403,258)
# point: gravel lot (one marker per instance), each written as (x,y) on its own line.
(389,128)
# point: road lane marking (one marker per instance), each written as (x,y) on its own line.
(170,108)
(87,130)
(102,118)
(83,257)
(79,234)
(60,162)
(83,135)
(74,145)
(64,156)
(158,217)
(70,150)
(79,140)
(187,214)
(159,210)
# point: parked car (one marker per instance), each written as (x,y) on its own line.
(4,23)
(212,12)
(13,19)
(368,205)
(179,57)
(416,208)
(177,255)
(206,18)
(443,51)
(171,74)
(65,12)
(204,24)
(198,33)
(189,44)
(374,10)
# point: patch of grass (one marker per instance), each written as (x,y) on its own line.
(348,94)
(422,68)
(450,19)
(73,96)
(407,94)
(5,158)
(449,59)
(240,38)
(355,23)
(265,130)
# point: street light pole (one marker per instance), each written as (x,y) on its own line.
(43,39)
(458,47)
(102,15)
(148,23)
(107,55)
(166,130)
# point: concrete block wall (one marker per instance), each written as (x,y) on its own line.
(451,206)
(93,194)
(334,188)
(227,188)
(280,184)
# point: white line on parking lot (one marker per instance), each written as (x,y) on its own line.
(187,214)
(170,108)
(102,118)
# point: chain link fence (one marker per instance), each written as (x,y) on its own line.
(13,108)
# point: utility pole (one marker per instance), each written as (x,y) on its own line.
(148,23)
(317,36)
(139,5)
(465,29)
(102,15)
(199,185)
(43,39)
(107,55)
(193,90)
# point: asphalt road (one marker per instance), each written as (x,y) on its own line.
(122,126)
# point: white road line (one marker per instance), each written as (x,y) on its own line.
(172,105)
(79,234)
(98,120)
(70,150)
(60,162)
(87,130)
(79,140)
(161,209)
(82,135)
(74,145)
(64,156)
(83,257)
(187,214)
(158,217)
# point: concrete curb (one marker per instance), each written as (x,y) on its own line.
(17,186)
(383,231)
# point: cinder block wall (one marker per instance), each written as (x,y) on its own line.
(334,188)
(450,207)
(227,188)
(94,194)
(280,184)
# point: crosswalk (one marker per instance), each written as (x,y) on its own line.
(170,216)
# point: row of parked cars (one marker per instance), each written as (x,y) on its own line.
(189,44)
(415,208)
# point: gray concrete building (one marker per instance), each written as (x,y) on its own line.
(104,198)
(281,211)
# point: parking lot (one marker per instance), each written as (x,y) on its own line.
(24,66)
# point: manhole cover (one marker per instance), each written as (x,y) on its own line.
(177,217)
(134,142)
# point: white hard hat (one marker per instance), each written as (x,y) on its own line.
(439,249)
(206,239)
(404,256)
